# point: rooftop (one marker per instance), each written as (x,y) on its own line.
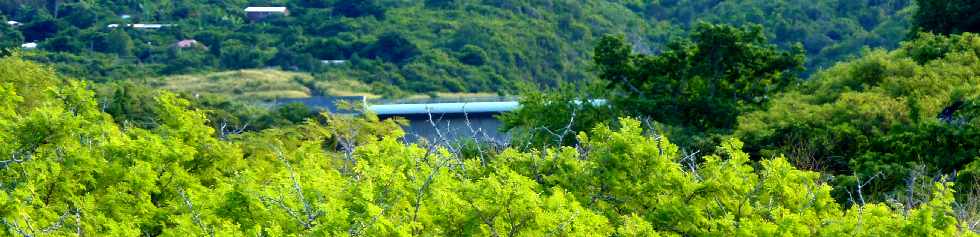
(265,9)
(187,43)
(142,26)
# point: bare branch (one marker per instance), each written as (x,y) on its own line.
(308,210)
(57,224)
(196,217)
(16,157)
(16,228)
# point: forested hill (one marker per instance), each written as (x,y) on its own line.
(417,46)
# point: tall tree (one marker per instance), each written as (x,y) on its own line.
(392,47)
(10,37)
(948,16)
(236,55)
(359,8)
(703,81)
(119,43)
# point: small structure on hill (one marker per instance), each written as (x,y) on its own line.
(189,43)
(142,26)
(333,62)
(30,45)
(14,23)
(259,13)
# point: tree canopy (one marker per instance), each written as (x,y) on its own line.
(436,46)
(947,16)
(69,169)
(886,112)
(702,82)
(686,118)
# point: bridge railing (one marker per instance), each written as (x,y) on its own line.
(438,100)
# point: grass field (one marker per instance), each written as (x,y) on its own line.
(260,84)
(241,84)
(269,84)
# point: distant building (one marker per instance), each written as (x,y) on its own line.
(30,45)
(142,26)
(151,26)
(189,43)
(259,13)
(125,16)
(14,23)
(333,62)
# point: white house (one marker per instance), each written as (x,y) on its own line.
(141,26)
(14,23)
(189,43)
(259,13)
(30,45)
(151,26)
(333,62)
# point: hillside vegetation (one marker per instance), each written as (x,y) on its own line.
(420,46)
(69,169)
(241,84)
(885,124)
(636,118)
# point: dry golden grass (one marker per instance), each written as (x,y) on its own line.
(346,87)
(267,84)
(241,84)
(259,84)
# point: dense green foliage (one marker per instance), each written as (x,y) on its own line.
(886,112)
(420,46)
(947,16)
(701,83)
(570,110)
(164,134)
(69,169)
(885,121)
(131,104)
(693,89)
(830,30)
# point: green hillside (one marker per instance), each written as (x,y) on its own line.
(69,169)
(419,46)
(256,84)
(683,118)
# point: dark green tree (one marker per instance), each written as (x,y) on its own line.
(120,43)
(130,104)
(187,60)
(79,14)
(473,55)
(556,117)
(10,37)
(41,29)
(237,55)
(704,81)
(392,47)
(948,16)
(440,3)
(359,8)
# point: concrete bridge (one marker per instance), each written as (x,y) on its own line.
(435,119)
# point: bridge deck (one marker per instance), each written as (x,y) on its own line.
(443,108)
